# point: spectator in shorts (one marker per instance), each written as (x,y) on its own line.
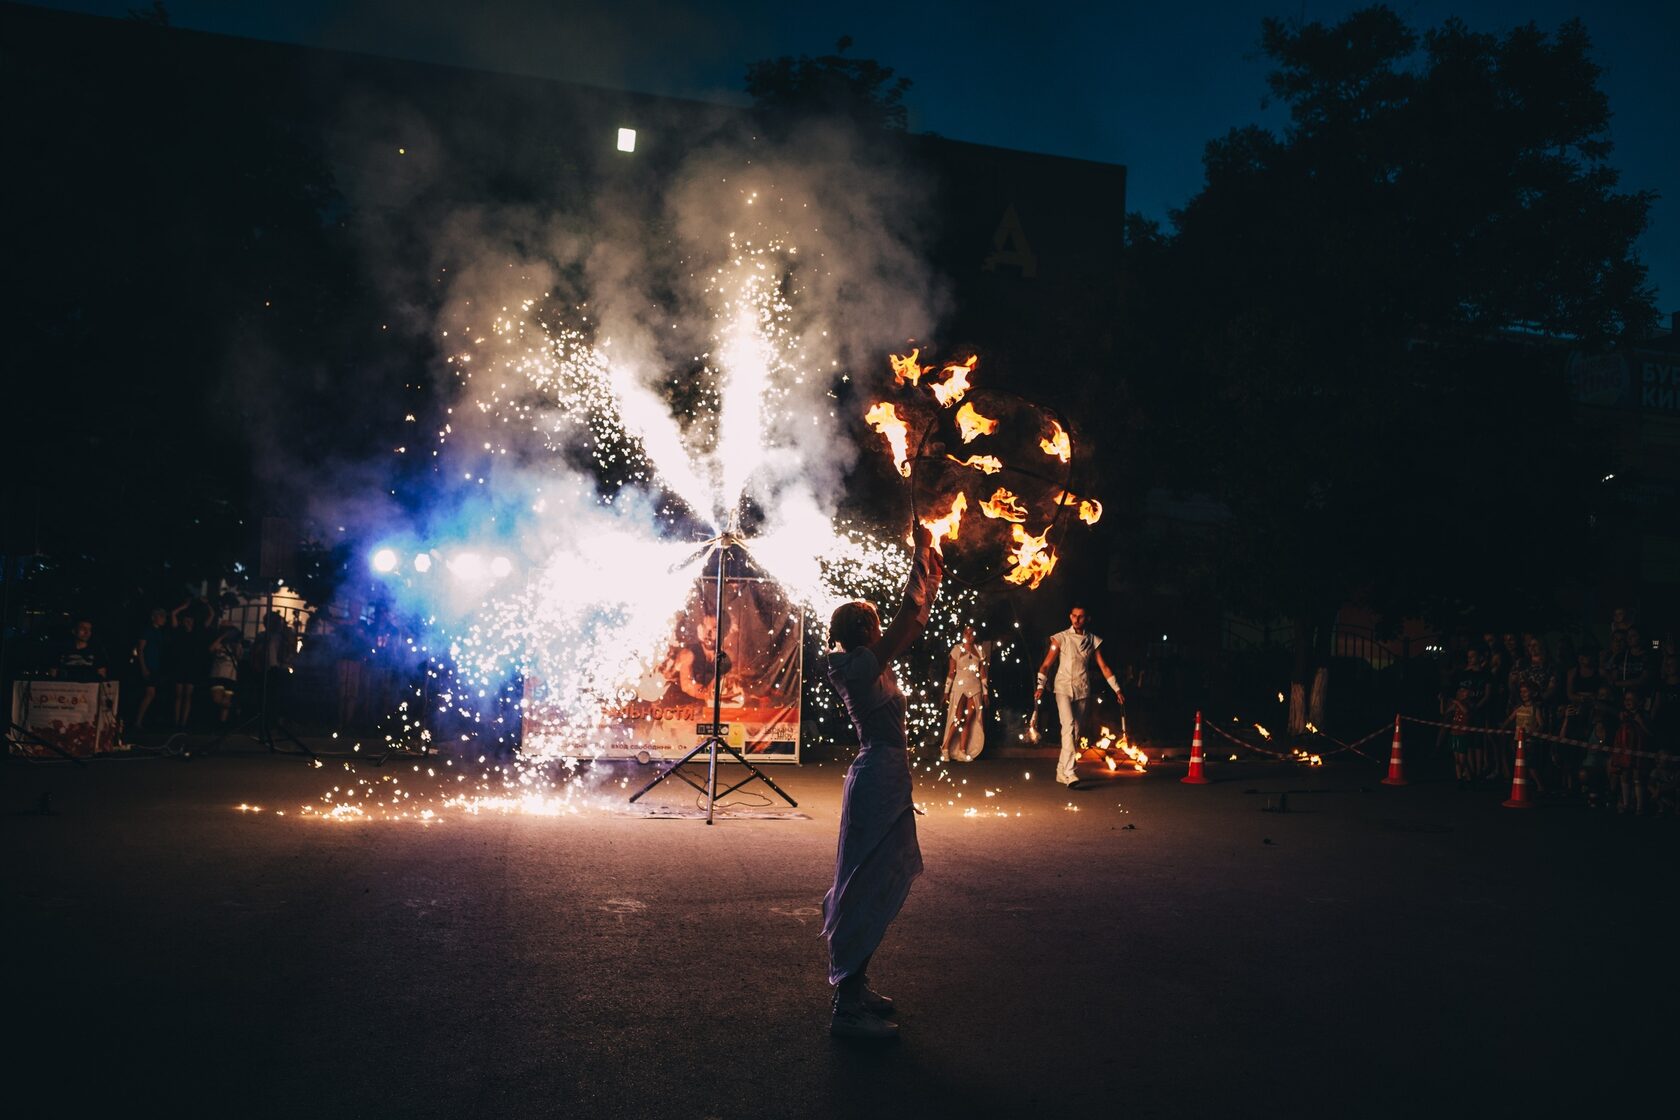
(148,655)
(185,661)
(1580,694)
(1477,683)
(224,653)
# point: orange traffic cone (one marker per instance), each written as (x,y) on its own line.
(1195,777)
(1396,775)
(1519,780)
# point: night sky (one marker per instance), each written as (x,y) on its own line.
(1146,85)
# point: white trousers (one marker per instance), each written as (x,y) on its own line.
(1075,713)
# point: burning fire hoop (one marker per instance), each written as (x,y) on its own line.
(948,473)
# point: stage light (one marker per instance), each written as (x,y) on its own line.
(422,561)
(385,560)
(500,567)
(626,139)
(466,565)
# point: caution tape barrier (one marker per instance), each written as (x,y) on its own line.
(1462,729)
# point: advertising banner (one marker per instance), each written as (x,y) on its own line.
(670,709)
(80,719)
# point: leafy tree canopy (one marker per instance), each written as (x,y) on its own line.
(832,85)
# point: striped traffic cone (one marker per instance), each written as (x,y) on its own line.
(1196,777)
(1519,798)
(1396,774)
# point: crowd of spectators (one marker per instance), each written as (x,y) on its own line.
(1600,723)
(190,666)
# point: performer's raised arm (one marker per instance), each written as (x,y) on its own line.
(917,602)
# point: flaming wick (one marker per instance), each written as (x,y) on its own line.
(972,424)
(1057,444)
(883,417)
(951,390)
(945,528)
(991,464)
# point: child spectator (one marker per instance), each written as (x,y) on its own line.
(1629,766)
(1591,776)
(1478,685)
(1457,711)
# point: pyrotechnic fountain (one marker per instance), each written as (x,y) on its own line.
(608,556)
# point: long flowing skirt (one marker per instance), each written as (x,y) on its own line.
(878,858)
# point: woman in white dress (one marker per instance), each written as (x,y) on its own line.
(965,700)
(878,854)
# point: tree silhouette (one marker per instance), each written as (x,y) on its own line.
(860,90)
(1350,295)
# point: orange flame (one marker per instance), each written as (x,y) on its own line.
(945,528)
(991,464)
(1090,510)
(972,424)
(883,417)
(1109,745)
(951,390)
(1057,443)
(1004,506)
(1033,556)
(906,368)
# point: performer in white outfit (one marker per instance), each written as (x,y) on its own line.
(965,699)
(878,855)
(1073,652)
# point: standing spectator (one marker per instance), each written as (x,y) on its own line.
(1536,672)
(1478,688)
(1636,666)
(80,660)
(1611,664)
(1595,760)
(271,661)
(1580,695)
(352,646)
(185,661)
(148,655)
(1629,766)
(1665,732)
(1457,713)
(224,654)
(1620,620)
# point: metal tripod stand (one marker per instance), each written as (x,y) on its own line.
(714,742)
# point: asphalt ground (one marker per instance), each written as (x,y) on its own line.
(1135,946)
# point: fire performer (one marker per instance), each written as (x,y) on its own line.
(1075,649)
(878,854)
(965,699)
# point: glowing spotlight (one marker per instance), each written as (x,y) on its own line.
(466,565)
(385,560)
(422,561)
(626,139)
(500,567)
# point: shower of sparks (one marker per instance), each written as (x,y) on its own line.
(608,555)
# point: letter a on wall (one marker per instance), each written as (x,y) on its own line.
(1010,247)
